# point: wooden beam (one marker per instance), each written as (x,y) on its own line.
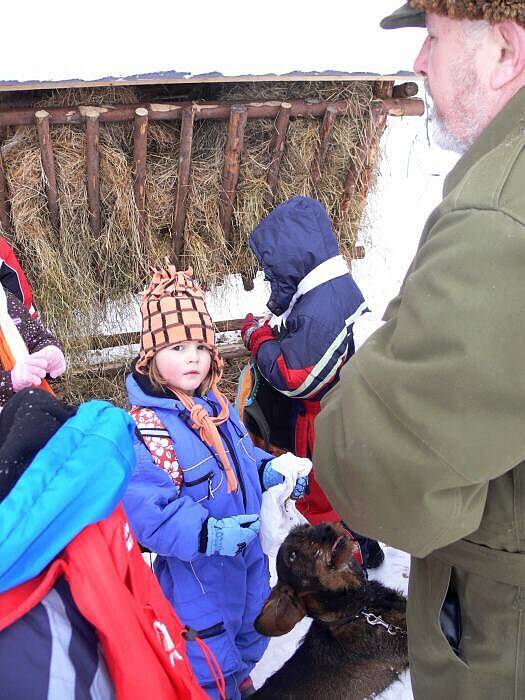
(133,338)
(277,146)
(5,209)
(232,160)
(229,351)
(167,112)
(325,131)
(48,167)
(183,179)
(405,90)
(140,148)
(93,169)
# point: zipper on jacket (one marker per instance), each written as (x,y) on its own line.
(212,631)
(237,466)
(199,480)
(227,440)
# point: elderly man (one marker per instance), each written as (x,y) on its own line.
(422,443)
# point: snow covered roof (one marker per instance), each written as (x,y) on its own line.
(127,42)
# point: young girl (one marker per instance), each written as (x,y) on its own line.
(195,496)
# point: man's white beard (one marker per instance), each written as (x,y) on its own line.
(469,115)
(442,135)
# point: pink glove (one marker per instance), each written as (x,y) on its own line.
(28,372)
(56,362)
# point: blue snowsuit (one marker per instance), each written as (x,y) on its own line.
(218,596)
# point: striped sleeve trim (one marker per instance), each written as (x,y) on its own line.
(312,384)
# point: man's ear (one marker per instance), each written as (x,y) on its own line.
(509,40)
(281,612)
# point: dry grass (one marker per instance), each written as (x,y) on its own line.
(76,275)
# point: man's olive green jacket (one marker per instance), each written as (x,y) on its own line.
(422,442)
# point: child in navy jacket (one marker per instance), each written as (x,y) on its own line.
(315,303)
(195,496)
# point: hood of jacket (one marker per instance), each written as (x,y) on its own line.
(289,243)
(76,479)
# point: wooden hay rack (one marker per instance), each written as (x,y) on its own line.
(387,100)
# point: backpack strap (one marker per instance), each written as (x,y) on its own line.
(158,441)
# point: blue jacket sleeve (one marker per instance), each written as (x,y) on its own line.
(306,359)
(163,521)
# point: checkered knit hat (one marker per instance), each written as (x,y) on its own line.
(173,311)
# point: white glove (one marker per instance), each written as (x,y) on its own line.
(28,372)
(56,362)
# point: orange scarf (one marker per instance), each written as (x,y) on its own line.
(207,427)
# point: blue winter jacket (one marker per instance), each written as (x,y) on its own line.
(75,480)
(216,595)
(304,360)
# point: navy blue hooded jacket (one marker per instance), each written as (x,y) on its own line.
(304,360)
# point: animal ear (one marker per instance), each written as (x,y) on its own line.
(281,612)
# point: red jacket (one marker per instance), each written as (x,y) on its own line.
(140,634)
(12,277)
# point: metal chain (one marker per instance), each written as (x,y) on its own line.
(378,620)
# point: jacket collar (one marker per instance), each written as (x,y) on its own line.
(328,270)
(508,122)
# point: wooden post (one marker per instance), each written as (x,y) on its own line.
(360,172)
(183,179)
(361,169)
(93,172)
(48,167)
(405,90)
(140,148)
(277,147)
(325,132)
(232,159)
(5,218)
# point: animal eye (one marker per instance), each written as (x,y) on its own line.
(317,553)
(291,557)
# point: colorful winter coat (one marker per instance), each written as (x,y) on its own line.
(297,249)
(12,277)
(81,614)
(34,334)
(218,596)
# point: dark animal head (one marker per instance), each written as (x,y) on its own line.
(317,576)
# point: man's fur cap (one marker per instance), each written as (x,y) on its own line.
(495,11)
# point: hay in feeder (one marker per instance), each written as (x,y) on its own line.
(78,276)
